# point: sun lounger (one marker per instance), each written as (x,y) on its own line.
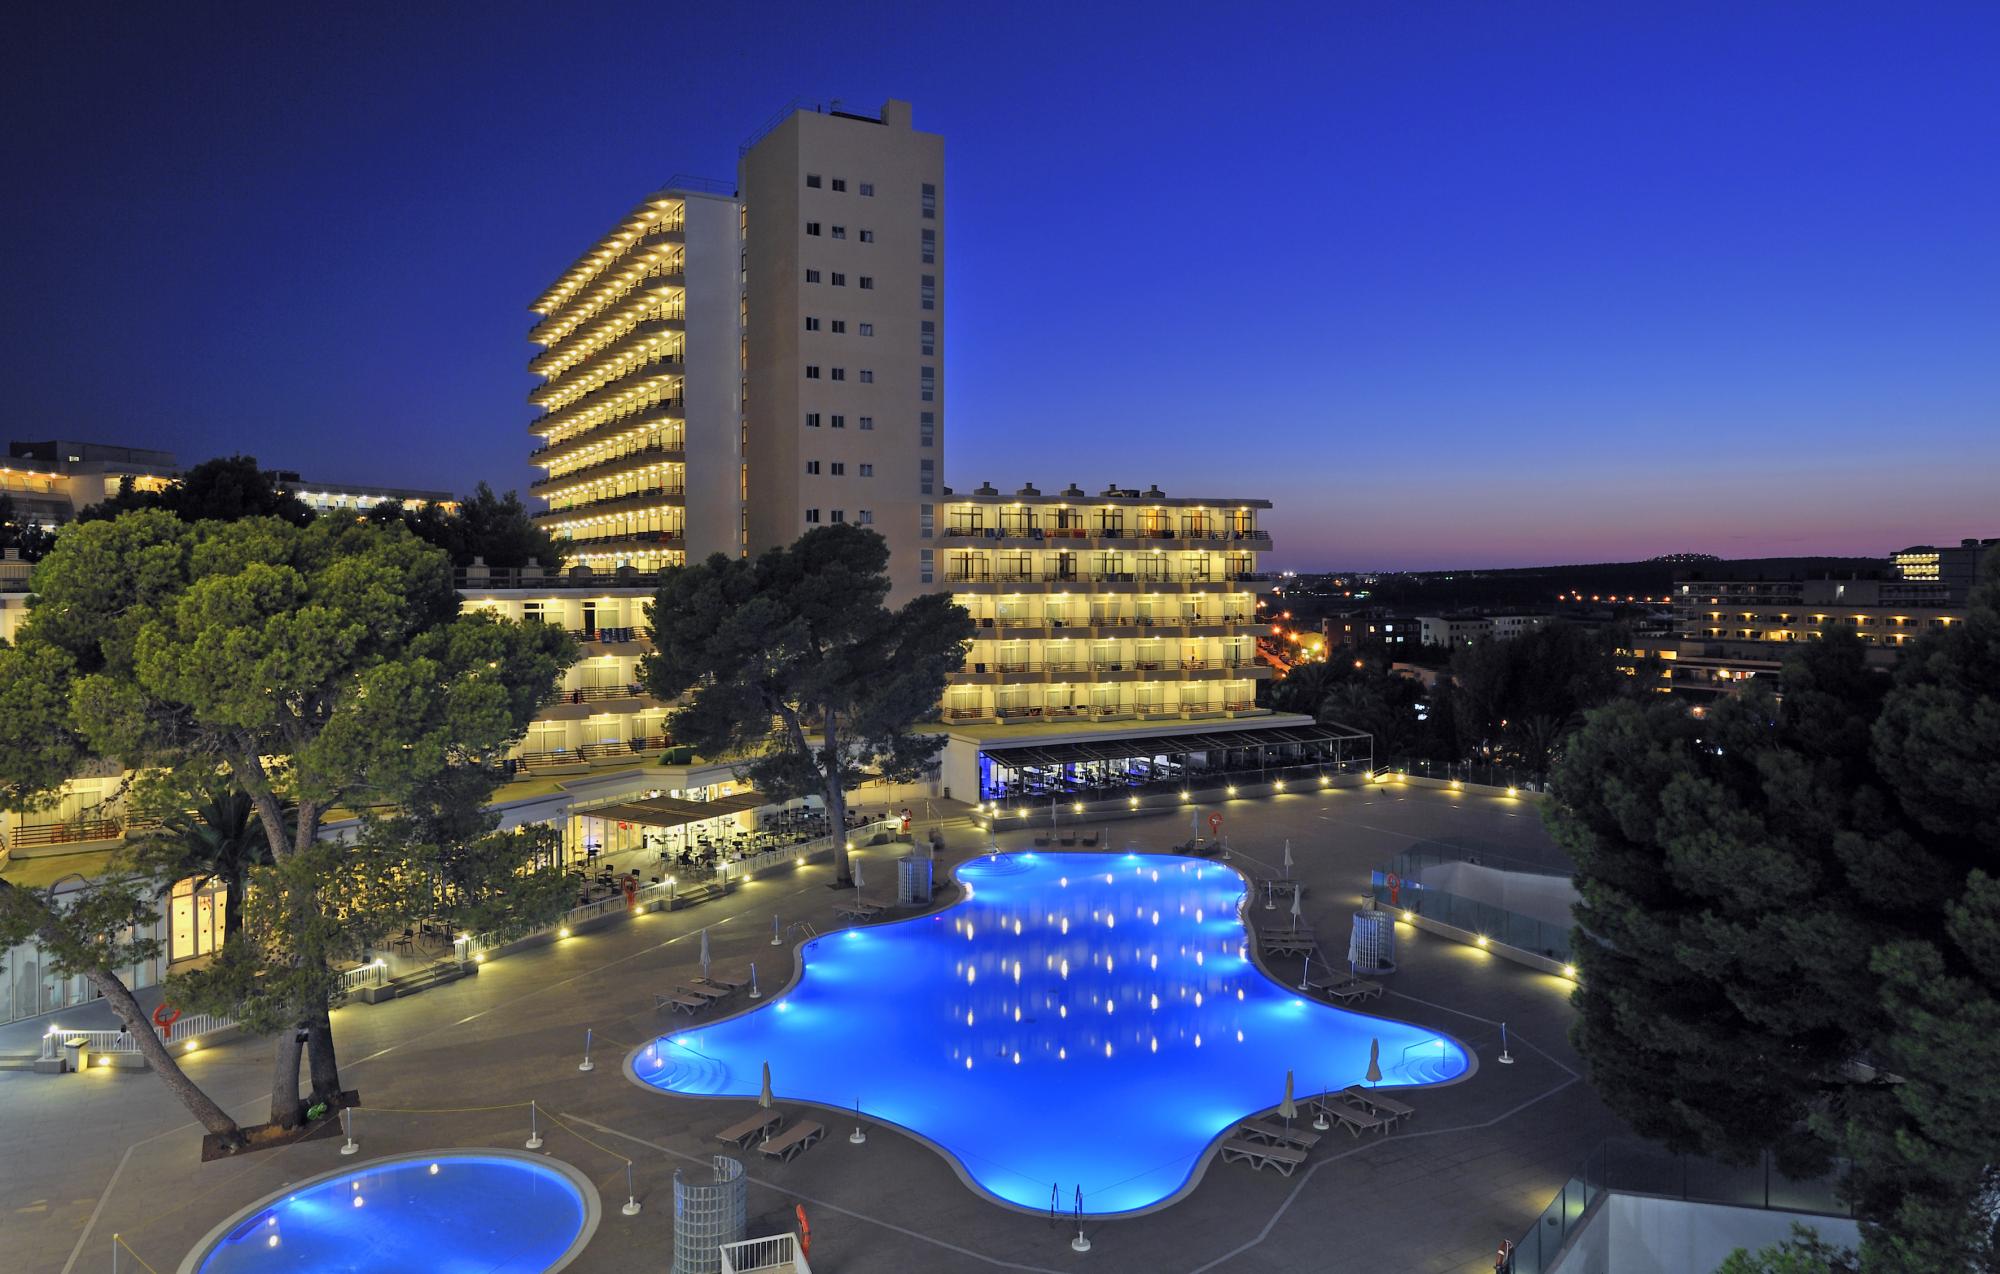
(681,1001)
(705,992)
(1287,943)
(857,910)
(1283,1158)
(756,1126)
(1353,1118)
(1347,990)
(787,1144)
(724,981)
(1373,1099)
(1276,1134)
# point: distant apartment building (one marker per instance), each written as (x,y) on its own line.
(1732,631)
(51,482)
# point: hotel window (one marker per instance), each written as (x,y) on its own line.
(812,466)
(812,371)
(867,236)
(840,183)
(867,470)
(926,477)
(812,227)
(930,246)
(927,429)
(865,517)
(839,422)
(195,920)
(837,515)
(812,276)
(867,376)
(840,325)
(812,420)
(866,422)
(839,468)
(839,280)
(926,521)
(927,565)
(930,202)
(928,291)
(929,339)
(839,373)
(812,324)
(868,282)
(812,179)
(840,232)
(868,329)
(812,515)
(929,381)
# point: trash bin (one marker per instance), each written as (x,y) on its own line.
(913,881)
(75,1055)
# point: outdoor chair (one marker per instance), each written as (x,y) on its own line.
(788,1144)
(1388,1107)
(756,1126)
(1276,1134)
(682,1003)
(705,992)
(1353,1118)
(1284,1158)
(1349,990)
(407,942)
(724,981)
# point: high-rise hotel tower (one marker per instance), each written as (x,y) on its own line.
(721,373)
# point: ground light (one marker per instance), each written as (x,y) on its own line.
(1513,791)
(1569,971)
(1482,941)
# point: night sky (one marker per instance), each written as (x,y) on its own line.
(1455,285)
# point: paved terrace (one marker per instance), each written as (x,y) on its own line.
(90,1155)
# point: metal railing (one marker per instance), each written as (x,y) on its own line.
(1638,1168)
(82,829)
(186,1027)
(374,973)
(776,1252)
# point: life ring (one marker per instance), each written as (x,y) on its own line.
(1395,884)
(1214,824)
(631,892)
(805,1232)
(1503,1260)
(164,1017)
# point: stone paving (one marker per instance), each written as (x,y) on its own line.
(92,1155)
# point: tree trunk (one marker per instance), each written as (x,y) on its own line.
(320,1056)
(209,1115)
(232,910)
(287,1111)
(836,800)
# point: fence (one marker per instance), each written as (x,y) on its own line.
(777,1252)
(1402,888)
(1482,773)
(1633,1167)
(187,1027)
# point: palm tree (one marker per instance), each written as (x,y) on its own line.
(1304,688)
(1536,740)
(218,839)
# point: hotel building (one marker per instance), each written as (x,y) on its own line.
(1735,631)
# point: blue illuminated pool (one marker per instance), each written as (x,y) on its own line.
(1080,1021)
(453,1212)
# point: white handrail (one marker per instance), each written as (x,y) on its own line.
(775,1252)
(188,1026)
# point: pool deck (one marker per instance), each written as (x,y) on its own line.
(92,1155)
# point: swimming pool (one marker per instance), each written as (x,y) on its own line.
(448,1212)
(1081,1021)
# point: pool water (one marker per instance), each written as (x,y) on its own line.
(1081,1021)
(452,1213)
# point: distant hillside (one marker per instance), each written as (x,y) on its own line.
(1539,587)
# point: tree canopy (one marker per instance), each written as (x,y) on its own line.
(22,533)
(318,667)
(1789,933)
(225,489)
(497,529)
(792,660)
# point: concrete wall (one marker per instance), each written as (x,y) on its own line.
(1637,1234)
(712,389)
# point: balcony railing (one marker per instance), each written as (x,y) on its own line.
(588,752)
(1111,621)
(662,492)
(591,694)
(68,833)
(1056,575)
(1157,663)
(618,463)
(970,531)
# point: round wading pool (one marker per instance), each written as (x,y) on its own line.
(446,1212)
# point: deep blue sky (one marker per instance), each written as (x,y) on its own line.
(1454,284)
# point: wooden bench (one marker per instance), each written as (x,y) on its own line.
(1284,1158)
(788,1144)
(757,1125)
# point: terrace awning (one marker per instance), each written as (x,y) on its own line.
(667,811)
(1128,747)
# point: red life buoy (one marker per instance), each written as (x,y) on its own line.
(805,1232)
(164,1017)
(1395,884)
(631,892)
(1214,824)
